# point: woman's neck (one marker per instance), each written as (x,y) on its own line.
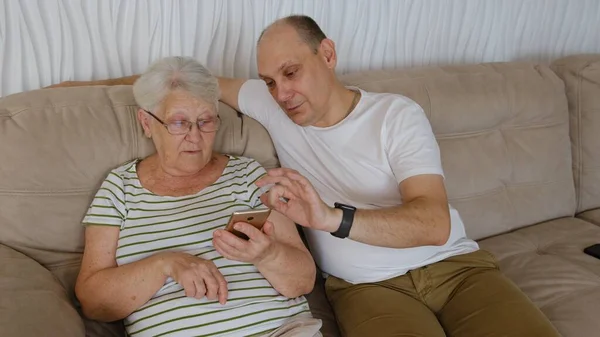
(159,181)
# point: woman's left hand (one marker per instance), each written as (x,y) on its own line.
(257,248)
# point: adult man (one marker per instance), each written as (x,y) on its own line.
(400,263)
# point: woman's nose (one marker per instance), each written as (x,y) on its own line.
(194,135)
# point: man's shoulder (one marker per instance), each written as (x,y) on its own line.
(392,99)
(390,107)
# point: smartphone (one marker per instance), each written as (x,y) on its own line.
(255,217)
(593,250)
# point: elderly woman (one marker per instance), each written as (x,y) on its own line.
(156,252)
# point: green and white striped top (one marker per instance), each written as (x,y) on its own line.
(150,223)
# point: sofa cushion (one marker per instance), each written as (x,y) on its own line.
(592,216)
(504,139)
(321,309)
(547,262)
(32,301)
(581,75)
(57,146)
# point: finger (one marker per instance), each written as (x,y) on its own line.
(279,192)
(267,180)
(235,243)
(223,292)
(252,232)
(189,287)
(280,171)
(269,229)
(212,286)
(223,249)
(274,201)
(227,244)
(298,178)
(200,288)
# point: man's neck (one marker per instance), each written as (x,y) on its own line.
(341,103)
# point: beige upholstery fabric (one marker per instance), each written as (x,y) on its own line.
(32,302)
(320,308)
(547,263)
(581,75)
(592,216)
(57,145)
(504,138)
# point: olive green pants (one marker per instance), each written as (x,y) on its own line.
(462,296)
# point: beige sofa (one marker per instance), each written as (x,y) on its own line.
(520,146)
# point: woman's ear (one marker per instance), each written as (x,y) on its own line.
(144,119)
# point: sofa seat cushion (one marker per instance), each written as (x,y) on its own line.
(592,216)
(32,301)
(547,262)
(321,309)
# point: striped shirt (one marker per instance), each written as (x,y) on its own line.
(150,224)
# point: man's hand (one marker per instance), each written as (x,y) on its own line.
(303,206)
(259,246)
(197,276)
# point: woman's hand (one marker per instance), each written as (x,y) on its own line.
(197,276)
(256,249)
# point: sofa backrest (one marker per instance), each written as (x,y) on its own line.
(504,139)
(581,75)
(57,146)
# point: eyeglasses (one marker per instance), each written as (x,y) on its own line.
(183,127)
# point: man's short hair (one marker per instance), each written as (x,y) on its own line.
(308,30)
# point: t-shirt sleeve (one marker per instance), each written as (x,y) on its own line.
(411,146)
(254,171)
(108,206)
(255,101)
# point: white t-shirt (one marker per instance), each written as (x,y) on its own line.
(360,161)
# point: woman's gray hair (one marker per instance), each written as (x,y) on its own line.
(175,73)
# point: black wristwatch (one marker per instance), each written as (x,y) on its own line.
(347,219)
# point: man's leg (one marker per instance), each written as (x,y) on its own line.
(483,302)
(387,308)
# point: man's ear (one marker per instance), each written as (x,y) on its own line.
(327,49)
(144,119)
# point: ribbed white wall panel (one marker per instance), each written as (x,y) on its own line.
(48,41)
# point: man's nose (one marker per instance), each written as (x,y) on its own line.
(284,93)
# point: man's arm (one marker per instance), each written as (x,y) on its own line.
(129,80)
(230,89)
(423,219)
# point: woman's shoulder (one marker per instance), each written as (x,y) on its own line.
(244,167)
(240,161)
(125,170)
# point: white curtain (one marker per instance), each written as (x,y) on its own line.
(48,41)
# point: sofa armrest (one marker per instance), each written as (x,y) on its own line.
(32,301)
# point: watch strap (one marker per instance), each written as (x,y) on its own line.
(347,220)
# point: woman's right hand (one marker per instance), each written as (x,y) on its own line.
(197,276)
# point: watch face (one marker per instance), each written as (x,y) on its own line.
(340,205)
